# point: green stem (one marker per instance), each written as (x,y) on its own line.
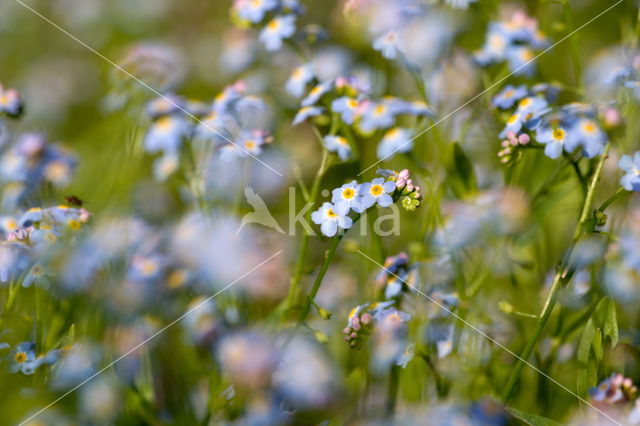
(392,394)
(328,258)
(575,46)
(13,291)
(620,193)
(560,280)
(294,288)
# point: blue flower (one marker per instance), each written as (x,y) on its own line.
(299,79)
(347,197)
(631,166)
(554,139)
(586,133)
(513,125)
(10,102)
(317,92)
(166,134)
(330,220)
(164,105)
(24,358)
(394,141)
(509,96)
(306,113)
(251,142)
(278,29)
(339,145)
(377,115)
(347,108)
(253,10)
(387,44)
(615,389)
(377,191)
(520,60)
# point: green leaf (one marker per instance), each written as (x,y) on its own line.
(602,325)
(531,419)
(584,350)
(610,327)
(461,177)
(598,349)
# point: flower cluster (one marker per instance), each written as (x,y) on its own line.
(396,272)
(276,18)
(382,191)
(615,389)
(348,98)
(387,325)
(617,394)
(567,128)
(360,322)
(29,238)
(516,41)
(232,127)
(30,162)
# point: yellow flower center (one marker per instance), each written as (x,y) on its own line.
(558,134)
(21,357)
(509,93)
(527,55)
(273,25)
(164,123)
(331,213)
(352,103)
(376,190)
(380,109)
(512,119)
(589,128)
(250,144)
(341,140)
(348,193)
(524,103)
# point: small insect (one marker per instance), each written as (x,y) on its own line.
(73,200)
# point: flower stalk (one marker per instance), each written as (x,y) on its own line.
(560,280)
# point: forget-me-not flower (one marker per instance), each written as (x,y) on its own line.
(554,139)
(253,10)
(394,141)
(330,220)
(586,133)
(377,191)
(631,166)
(277,30)
(387,44)
(509,96)
(347,108)
(339,145)
(306,113)
(10,102)
(347,197)
(317,92)
(299,79)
